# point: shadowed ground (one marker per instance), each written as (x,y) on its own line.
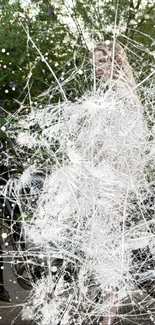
(10,313)
(139,310)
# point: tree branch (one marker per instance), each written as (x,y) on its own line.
(138,4)
(143,18)
(131,15)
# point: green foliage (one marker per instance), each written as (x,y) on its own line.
(39,50)
(23,70)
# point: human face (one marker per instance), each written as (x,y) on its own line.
(103,66)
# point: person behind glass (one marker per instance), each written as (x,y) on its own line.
(112,66)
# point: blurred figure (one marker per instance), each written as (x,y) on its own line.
(112,66)
(111,63)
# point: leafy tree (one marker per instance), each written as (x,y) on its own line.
(44,45)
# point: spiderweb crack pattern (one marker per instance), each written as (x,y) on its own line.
(86,204)
(90,212)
